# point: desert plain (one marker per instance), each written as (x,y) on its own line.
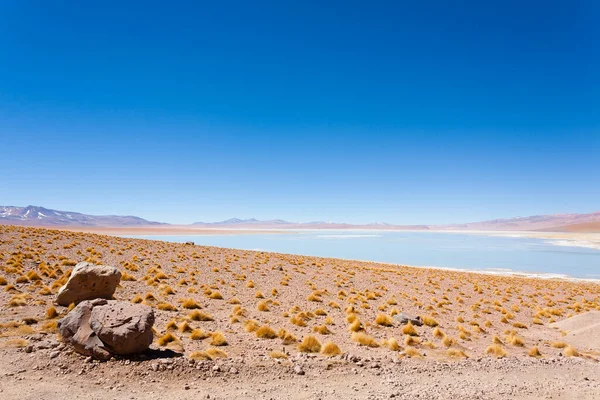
(247,324)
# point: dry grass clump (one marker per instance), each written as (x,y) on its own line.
(391,344)
(190,304)
(199,334)
(409,329)
(558,345)
(200,316)
(570,351)
(384,320)
(137,299)
(515,340)
(448,341)
(534,352)
(166,339)
(438,333)
(330,349)
(411,352)
(262,306)
(209,354)
(278,354)
(495,350)
(456,353)
(166,306)
(51,313)
(519,325)
(322,329)
(429,321)
(250,326)
(310,344)
(364,339)
(218,339)
(265,332)
(215,295)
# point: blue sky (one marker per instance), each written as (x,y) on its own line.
(338,111)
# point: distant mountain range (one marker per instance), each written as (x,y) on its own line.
(40,216)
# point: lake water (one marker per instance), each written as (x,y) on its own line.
(446,250)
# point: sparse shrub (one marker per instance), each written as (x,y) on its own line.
(262,306)
(364,339)
(265,332)
(215,295)
(392,344)
(384,320)
(495,350)
(166,339)
(534,352)
(278,354)
(51,313)
(330,349)
(409,329)
(200,316)
(429,321)
(570,351)
(199,334)
(166,306)
(310,344)
(218,339)
(190,304)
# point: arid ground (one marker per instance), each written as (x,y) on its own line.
(244,324)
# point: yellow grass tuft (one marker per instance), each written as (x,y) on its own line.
(262,306)
(558,345)
(51,313)
(412,352)
(215,295)
(250,326)
(199,334)
(570,351)
(166,339)
(322,329)
(437,332)
(218,339)
(200,316)
(310,344)
(278,354)
(330,349)
(496,350)
(456,353)
(265,332)
(166,306)
(391,344)
(364,339)
(534,352)
(409,329)
(429,321)
(448,341)
(384,320)
(190,304)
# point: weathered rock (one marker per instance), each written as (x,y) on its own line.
(100,328)
(88,282)
(405,318)
(123,327)
(75,329)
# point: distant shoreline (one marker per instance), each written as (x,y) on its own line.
(576,239)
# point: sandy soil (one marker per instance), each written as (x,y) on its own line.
(306,297)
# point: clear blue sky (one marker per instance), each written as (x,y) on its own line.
(405,112)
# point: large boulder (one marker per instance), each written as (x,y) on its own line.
(88,282)
(124,328)
(102,328)
(75,329)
